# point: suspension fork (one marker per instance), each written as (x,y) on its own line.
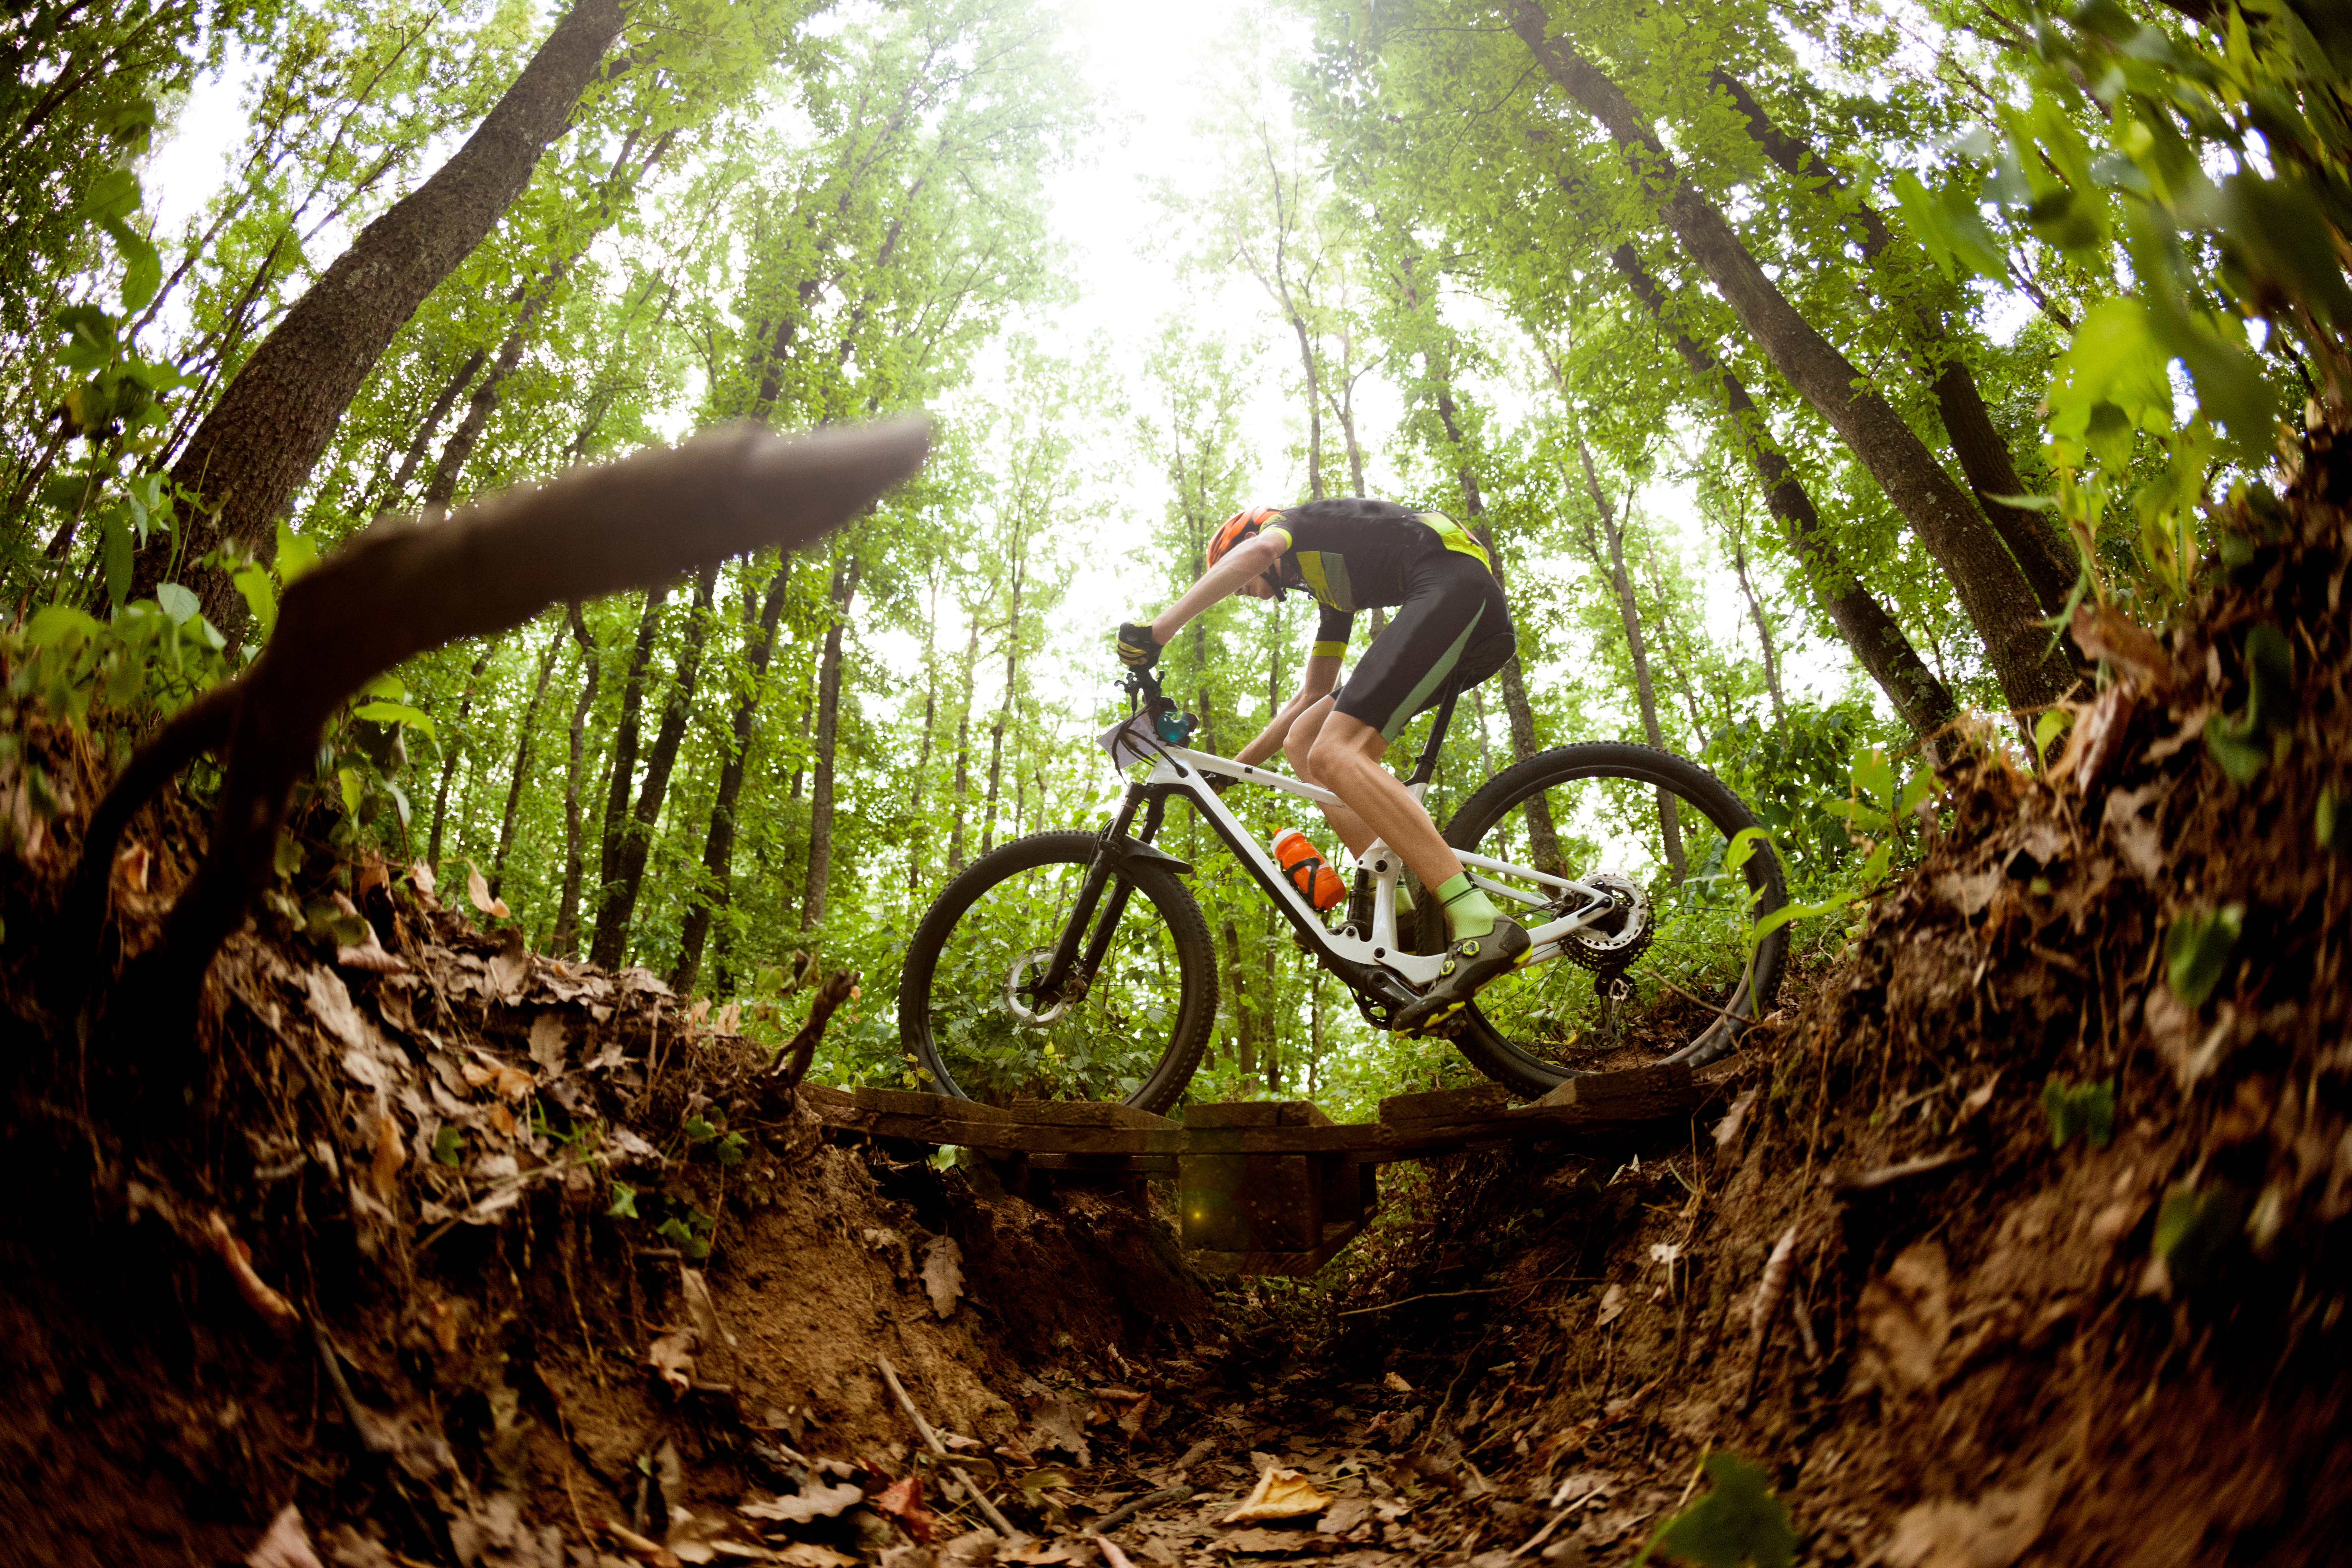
(1057,977)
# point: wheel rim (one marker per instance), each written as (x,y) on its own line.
(995,1044)
(1689,969)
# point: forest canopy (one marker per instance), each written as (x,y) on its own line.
(1811,370)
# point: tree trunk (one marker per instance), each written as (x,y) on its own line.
(623,779)
(828,724)
(566,940)
(522,760)
(1763,633)
(1670,826)
(449,760)
(1244,1017)
(1992,589)
(612,944)
(1984,461)
(1543,834)
(1869,629)
(428,428)
(964,750)
(257,447)
(1004,710)
(718,845)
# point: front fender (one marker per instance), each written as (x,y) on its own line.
(1127,853)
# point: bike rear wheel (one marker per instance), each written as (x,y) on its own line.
(1135,1035)
(1600,812)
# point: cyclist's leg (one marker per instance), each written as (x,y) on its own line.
(1347,761)
(1299,747)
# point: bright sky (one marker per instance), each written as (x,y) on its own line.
(1152,66)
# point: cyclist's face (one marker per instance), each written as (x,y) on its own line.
(1258,587)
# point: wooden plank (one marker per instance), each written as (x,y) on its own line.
(824,1100)
(1266,1139)
(909,1102)
(1086,1113)
(1109,1164)
(1447,1104)
(1636,1095)
(1249,1114)
(1296,1264)
(1022,1137)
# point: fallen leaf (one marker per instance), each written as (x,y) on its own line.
(943,1273)
(384,1168)
(285,1544)
(672,1355)
(1021,1549)
(1280,1493)
(130,867)
(1993,1532)
(637,1546)
(730,1018)
(1612,1306)
(1055,1423)
(809,1554)
(1396,1384)
(368,953)
(251,1285)
(1907,1313)
(420,875)
(445,1326)
(903,1500)
(1260,1541)
(819,1501)
(1345,1515)
(549,1041)
(477,888)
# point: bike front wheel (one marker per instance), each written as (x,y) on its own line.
(970,1015)
(1675,976)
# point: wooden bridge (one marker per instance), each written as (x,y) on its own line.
(1262,1186)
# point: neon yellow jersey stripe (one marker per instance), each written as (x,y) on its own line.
(1333,649)
(1453,536)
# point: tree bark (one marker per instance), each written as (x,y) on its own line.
(1670,826)
(1004,710)
(257,447)
(623,780)
(1763,634)
(612,944)
(1877,639)
(566,940)
(718,845)
(522,760)
(964,750)
(449,761)
(829,726)
(1992,589)
(1985,459)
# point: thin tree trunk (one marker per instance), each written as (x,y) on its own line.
(1669,825)
(718,845)
(828,728)
(1004,710)
(257,447)
(1763,633)
(566,940)
(621,782)
(964,750)
(1985,460)
(612,944)
(522,759)
(1991,587)
(1873,634)
(428,428)
(449,761)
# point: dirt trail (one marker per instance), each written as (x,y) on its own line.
(2019,1241)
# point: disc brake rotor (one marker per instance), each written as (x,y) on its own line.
(1020,987)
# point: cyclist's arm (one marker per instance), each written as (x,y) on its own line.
(1315,683)
(1221,581)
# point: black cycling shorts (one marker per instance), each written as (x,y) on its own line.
(1453,627)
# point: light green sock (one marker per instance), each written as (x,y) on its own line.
(1467,910)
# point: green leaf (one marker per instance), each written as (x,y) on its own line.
(2194,1230)
(1737,1522)
(113,195)
(387,686)
(296,554)
(2196,952)
(177,601)
(142,270)
(730,1148)
(2331,826)
(448,1144)
(349,779)
(625,1202)
(56,624)
(395,714)
(2088,1109)
(252,580)
(117,545)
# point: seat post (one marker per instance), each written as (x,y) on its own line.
(1424,768)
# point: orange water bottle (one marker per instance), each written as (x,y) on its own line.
(1316,882)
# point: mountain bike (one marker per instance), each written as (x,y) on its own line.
(1078,966)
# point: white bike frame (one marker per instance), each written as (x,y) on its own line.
(1178,770)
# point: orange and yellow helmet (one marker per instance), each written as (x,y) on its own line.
(1243,524)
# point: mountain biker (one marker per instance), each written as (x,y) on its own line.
(1450,626)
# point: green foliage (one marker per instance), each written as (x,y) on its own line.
(1737,1520)
(2245,743)
(625,1202)
(2196,1228)
(2088,1109)
(2198,948)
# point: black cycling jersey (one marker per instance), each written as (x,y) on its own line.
(1452,626)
